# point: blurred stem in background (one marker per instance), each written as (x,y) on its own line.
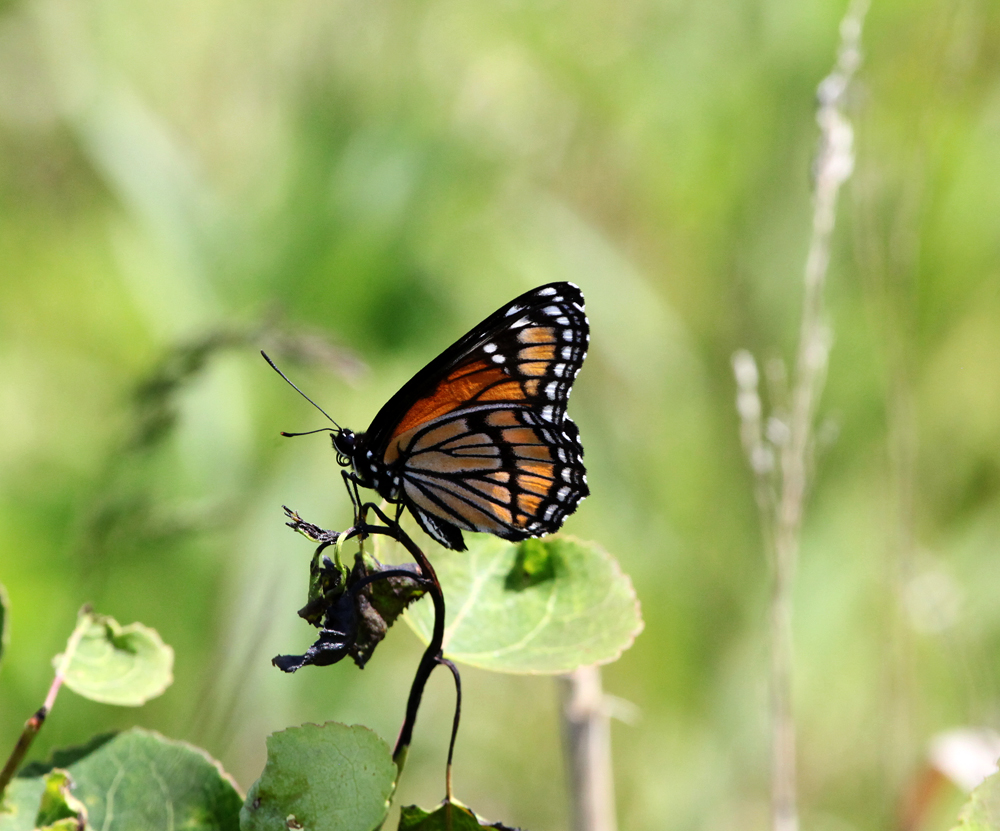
(587,741)
(781,487)
(586,723)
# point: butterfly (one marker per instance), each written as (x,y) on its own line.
(479,439)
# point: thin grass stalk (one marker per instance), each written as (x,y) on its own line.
(781,458)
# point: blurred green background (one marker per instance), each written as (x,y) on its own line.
(355,183)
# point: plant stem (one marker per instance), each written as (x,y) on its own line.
(781,489)
(454,724)
(34,724)
(587,735)
(432,654)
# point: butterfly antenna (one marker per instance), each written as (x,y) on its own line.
(306,397)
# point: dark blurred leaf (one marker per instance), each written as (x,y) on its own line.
(328,777)
(543,606)
(118,665)
(155,396)
(65,757)
(136,780)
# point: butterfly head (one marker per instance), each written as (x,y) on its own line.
(345,442)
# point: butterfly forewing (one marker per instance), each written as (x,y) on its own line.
(479,440)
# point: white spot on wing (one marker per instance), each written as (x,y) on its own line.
(513,310)
(546,291)
(552,311)
(548,412)
(489,348)
(498,359)
(562,320)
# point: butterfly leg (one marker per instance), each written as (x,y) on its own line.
(351,483)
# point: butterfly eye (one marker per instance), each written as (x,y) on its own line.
(344,443)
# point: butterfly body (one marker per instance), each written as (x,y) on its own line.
(479,439)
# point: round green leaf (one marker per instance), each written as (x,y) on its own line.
(327,777)
(982,811)
(541,606)
(113,664)
(136,779)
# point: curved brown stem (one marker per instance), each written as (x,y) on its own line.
(454,724)
(432,654)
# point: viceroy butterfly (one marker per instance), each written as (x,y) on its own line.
(479,439)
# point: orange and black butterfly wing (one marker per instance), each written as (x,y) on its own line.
(479,440)
(499,470)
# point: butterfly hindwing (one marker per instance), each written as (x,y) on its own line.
(479,440)
(501,470)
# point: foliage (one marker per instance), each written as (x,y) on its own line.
(543,606)
(327,777)
(136,779)
(114,664)
(982,811)
(447,817)
(371,177)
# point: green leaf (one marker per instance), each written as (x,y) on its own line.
(541,606)
(4,625)
(328,777)
(137,779)
(113,664)
(59,808)
(20,805)
(982,811)
(449,816)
